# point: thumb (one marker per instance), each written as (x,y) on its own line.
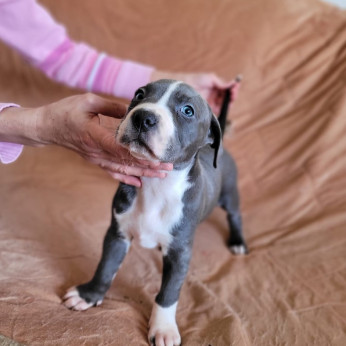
(99,105)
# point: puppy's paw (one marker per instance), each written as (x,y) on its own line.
(73,300)
(163,328)
(166,337)
(238,249)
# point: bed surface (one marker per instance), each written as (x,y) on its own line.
(288,139)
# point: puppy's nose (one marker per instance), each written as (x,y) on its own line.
(144,120)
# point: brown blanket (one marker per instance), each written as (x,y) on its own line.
(288,138)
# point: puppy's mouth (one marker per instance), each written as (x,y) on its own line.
(138,146)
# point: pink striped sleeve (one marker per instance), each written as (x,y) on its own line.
(9,152)
(79,65)
(30,29)
(131,77)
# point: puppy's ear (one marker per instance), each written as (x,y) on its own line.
(214,137)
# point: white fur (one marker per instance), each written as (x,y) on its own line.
(72,300)
(157,207)
(238,249)
(159,140)
(163,326)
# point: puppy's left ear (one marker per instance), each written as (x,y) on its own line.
(215,136)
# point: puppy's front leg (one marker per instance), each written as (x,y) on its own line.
(163,327)
(91,293)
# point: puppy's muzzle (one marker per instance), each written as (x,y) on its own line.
(144,120)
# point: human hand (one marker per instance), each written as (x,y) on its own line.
(208,85)
(76,123)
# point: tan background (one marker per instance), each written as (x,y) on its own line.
(289,141)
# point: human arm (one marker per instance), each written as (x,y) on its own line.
(76,123)
(31,30)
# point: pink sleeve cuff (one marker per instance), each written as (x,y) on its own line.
(131,77)
(9,152)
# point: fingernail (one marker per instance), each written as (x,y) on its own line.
(239,78)
(167,166)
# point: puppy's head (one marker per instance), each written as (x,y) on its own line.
(168,121)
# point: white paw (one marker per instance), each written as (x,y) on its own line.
(72,300)
(163,328)
(169,336)
(238,250)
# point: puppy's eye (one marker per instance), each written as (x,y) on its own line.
(188,111)
(139,95)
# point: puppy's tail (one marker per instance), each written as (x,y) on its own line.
(227,101)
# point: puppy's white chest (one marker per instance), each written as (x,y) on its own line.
(157,208)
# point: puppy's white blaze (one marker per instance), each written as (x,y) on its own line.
(162,138)
(165,97)
(158,141)
(157,208)
(162,321)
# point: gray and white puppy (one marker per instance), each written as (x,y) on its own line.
(167,121)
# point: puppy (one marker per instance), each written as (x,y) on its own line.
(167,121)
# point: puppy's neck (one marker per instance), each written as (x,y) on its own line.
(177,178)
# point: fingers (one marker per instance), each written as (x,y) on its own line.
(133,170)
(222,84)
(100,147)
(114,158)
(97,104)
(114,152)
(128,174)
(130,179)
(163,166)
(234,91)
(217,93)
(126,179)
(166,166)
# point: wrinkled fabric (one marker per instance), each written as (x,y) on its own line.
(287,136)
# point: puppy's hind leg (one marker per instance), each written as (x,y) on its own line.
(91,293)
(230,203)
